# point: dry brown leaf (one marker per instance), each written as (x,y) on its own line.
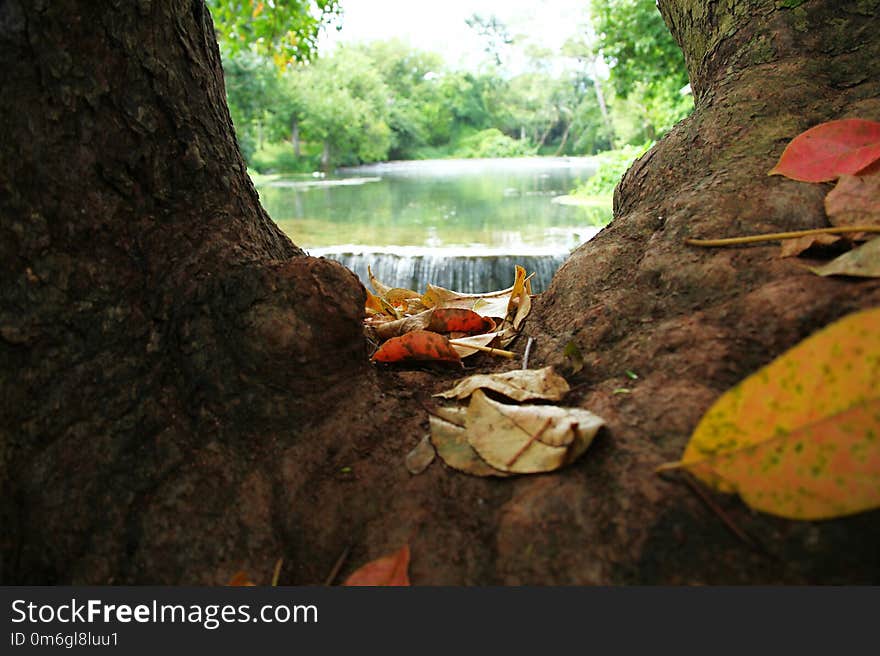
(863,262)
(421,457)
(381,330)
(519,385)
(461,344)
(856,199)
(449,438)
(796,246)
(378,287)
(487,305)
(528,439)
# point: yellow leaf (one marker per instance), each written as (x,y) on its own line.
(800,438)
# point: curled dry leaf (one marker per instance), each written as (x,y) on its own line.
(796,246)
(800,438)
(855,201)
(487,305)
(449,437)
(418,345)
(862,262)
(421,457)
(382,328)
(528,439)
(519,385)
(830,150)
(378,287)
(390,570)
(461,344)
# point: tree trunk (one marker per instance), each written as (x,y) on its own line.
(294,136)
(325,157)
(154,320)
(185,394)
(564,138)
(603,107)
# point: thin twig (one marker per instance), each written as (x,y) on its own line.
(527,352)
(277,573)
(775,236)
(485,349)
(337,566)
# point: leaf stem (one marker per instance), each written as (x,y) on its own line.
(532,439)
(774,236)
(486,349)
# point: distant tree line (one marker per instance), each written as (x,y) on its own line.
(387,100)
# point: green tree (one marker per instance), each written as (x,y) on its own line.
(285,30)
(343,104)
(646,66)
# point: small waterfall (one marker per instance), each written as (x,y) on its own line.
(459,270)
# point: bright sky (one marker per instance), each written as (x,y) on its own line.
(439,25)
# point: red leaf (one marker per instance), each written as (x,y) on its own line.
(829,150)
(417,345)
(389,570)
(449,320)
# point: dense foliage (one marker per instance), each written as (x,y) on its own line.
(388,100)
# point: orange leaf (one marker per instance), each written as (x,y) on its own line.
(417,345)
(829,150)
(389,570)
(373,304)
(240,578)
(448,320)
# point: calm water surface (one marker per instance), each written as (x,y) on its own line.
(443,211)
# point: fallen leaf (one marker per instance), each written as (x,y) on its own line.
(448,320)
(399,297)
(527,439)
(573,352)
(461,345)
(796,246)
(450,439)
(421,457)
(520,303)
(855,200)
(378,287)
(800,438)
(863,262)
(390,570)
(488,305)
(373,304)
(241,578)
(830,150)
(417,345)
(519,385)
(381,330)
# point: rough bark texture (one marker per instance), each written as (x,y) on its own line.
(185,394)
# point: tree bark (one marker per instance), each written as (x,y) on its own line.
(186,394)
(152,315)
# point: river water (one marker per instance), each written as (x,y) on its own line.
(460,224)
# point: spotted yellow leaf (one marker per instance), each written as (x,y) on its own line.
(800,438)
